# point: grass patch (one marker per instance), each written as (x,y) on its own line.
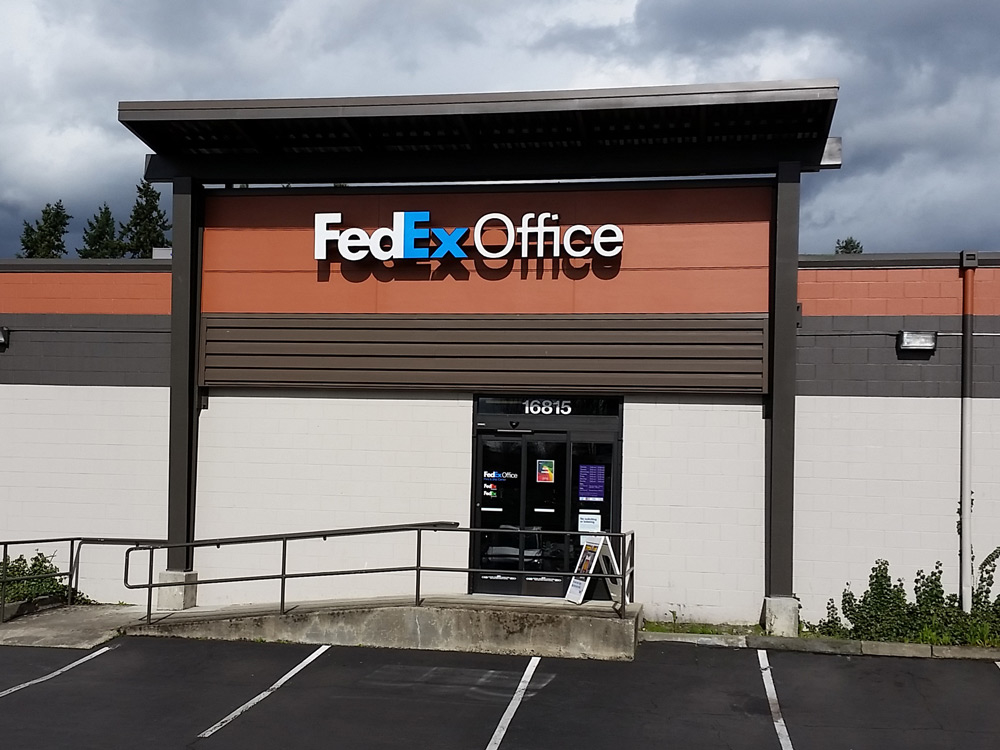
(700,628)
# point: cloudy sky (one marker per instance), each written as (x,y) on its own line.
(919,107)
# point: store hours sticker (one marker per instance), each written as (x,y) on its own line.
(591,483)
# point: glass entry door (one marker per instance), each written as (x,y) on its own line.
(526,485)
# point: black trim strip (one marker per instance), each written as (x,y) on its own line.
(894,260)
(59,265)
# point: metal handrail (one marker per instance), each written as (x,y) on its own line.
(625,575)
(76,544)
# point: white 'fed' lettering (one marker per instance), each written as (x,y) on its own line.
(411,236)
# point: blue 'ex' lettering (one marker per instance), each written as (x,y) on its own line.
(449,242)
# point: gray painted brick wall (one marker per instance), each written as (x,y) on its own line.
(131,350)
(857,356)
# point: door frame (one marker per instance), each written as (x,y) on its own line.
(569,428)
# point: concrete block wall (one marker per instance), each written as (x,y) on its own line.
(875,478)
(693,491)
(283,462)
(84,461)
(985,478)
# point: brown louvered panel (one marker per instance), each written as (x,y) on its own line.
(479,322)
(591,353)
(516,336)
(500,381)
(484,363)
(412,348)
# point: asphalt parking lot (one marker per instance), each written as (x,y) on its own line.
(167,693)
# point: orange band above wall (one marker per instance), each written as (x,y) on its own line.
(141,293)
(894,291)
(685,250)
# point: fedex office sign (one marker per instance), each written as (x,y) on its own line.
(412,236)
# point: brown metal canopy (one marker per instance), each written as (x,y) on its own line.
(659,131)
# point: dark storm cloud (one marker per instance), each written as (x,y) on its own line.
(918,86)
(919,82)
(68,65)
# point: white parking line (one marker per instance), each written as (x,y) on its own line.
(515,701)
(254,701)
(58,672)
(772,699)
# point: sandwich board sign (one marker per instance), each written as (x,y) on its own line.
(596,556)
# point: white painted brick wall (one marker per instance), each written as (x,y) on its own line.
(986,478)
(271,463)
(84,461)
(879,478)
(693,491)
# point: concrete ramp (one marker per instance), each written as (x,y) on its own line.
(480,624)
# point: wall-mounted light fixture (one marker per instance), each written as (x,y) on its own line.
(4,338)
(920,341)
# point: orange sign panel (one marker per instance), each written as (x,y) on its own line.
(684,250)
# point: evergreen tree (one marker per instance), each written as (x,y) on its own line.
(99,238)
(147,225)
(46,239)
(850,246)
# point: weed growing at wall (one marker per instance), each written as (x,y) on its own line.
(883,612)
(40,564)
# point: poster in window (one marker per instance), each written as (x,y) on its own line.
(591,482)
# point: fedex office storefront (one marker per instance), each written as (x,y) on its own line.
(470,309)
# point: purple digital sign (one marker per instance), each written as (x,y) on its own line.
(591,483)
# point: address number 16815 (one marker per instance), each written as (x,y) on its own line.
(547,406)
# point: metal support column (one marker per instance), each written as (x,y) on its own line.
(967,573)
(184,402)
(780,403)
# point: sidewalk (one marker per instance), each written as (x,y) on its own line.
(78,626)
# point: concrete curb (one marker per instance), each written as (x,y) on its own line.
(966,652)
(808,645)
(881,648)
(827,646)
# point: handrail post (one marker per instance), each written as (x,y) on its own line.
(631,566)
(149,590)
(3,583)
(416,600)
(284,570)
(75,580)
(622,574)
(72,567)
(79,554)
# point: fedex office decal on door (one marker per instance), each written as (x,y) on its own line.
(412,237)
